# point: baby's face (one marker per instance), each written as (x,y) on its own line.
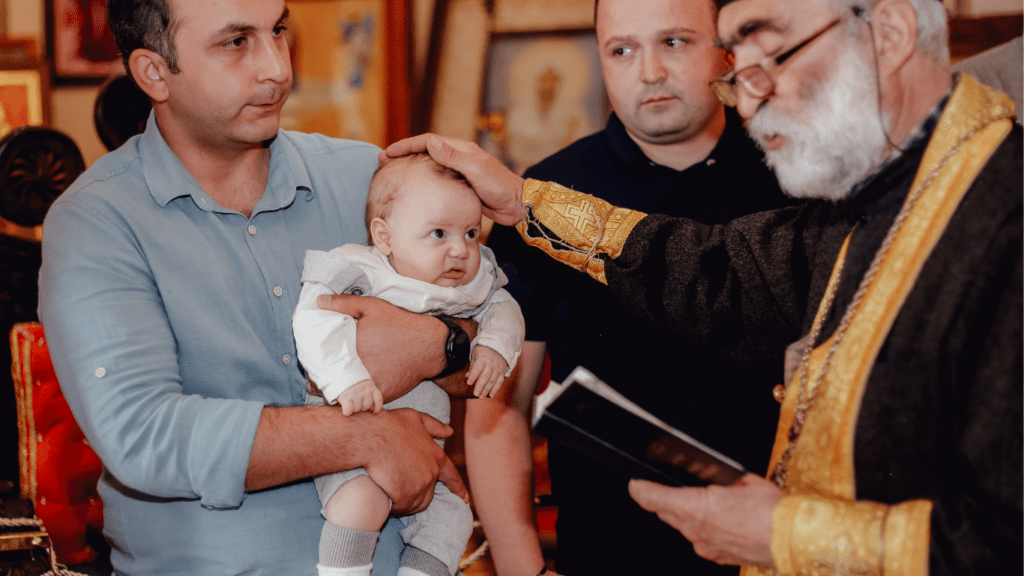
(435,229)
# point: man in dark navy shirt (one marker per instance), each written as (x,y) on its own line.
(671,148)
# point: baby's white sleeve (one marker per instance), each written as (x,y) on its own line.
(326,344)
(500,326)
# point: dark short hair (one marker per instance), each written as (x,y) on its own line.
(143,24)
(715,5)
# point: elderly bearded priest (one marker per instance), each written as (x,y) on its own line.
(899,445)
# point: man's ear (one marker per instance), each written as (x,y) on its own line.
(150,71)
(894,23)
(381,235)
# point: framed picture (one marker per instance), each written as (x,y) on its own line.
(541,93)
(81,44)
(508,70)
(350,62)
(22,99)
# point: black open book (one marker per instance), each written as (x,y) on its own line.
(591,417)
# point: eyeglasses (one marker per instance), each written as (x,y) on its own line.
(757,79)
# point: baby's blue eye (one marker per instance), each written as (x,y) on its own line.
(438,233)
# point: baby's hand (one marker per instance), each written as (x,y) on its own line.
(361,397)
(486,372)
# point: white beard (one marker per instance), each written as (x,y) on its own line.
(840,140)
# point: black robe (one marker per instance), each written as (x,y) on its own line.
(941,416)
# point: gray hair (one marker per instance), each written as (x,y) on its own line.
(932,28)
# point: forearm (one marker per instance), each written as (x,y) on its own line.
(499,462)
(421,357)
(301,441)
(399,348)
(743,287)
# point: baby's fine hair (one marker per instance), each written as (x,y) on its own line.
(388,180)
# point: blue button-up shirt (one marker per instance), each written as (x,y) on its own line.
(168,318)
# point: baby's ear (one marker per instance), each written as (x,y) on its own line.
(381,235)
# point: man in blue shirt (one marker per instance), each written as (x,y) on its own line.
(170,272)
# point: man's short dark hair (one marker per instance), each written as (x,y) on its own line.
(715,5)
(143,24)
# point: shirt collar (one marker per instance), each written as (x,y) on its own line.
(167,178)
(628,153)
(623,147)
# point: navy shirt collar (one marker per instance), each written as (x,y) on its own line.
(631,157)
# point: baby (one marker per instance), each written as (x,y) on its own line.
(424,224)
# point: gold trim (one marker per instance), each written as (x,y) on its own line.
(22,339)
(821,472)
(823,536)
(584,226)
(908,530)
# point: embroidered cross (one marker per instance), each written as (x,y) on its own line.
(582,216)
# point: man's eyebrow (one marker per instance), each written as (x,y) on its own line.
(677,30)
(237,28)
(747,29)
(665,32)
(619,40)
(234,28)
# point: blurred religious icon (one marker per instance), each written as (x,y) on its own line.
(81,42)
(544,103)
(544,114)
(354,53)
(337,57)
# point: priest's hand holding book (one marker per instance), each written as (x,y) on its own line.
(726,524)
(710,498)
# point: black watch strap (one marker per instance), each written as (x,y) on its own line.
(456,349)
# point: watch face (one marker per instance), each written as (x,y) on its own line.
(458,346)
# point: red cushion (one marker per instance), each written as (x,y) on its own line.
(59,470)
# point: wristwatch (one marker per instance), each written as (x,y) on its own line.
(456,349)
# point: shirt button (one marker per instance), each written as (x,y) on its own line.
(278,291)
(286,358)
(101,372)
(252,230)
